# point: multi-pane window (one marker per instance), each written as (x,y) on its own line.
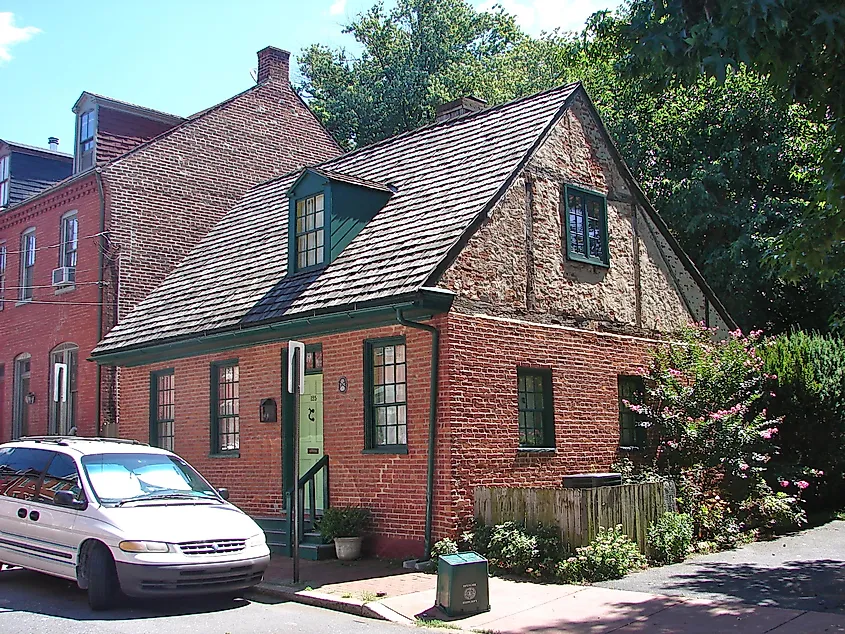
(314,359)
(586,226)
(69,240)
(162,409)
(631,434)
(225,407)
(5,180)
(387,399)
(536,409)
(63,388)
(27,264)
(87,132)
(2,276)
(310,231)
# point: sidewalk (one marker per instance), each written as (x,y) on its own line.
(380,589)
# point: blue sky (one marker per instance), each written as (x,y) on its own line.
(179,56)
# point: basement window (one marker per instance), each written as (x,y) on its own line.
(586,226)
(536,409)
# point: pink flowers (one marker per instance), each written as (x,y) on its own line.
(802,484)
(784,483)
(768,433)
(675,373)
(743,467)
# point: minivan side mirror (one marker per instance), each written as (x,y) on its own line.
(68,500)
(223,492)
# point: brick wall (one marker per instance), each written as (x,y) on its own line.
(52,318)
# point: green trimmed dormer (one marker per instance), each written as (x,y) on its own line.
(327,210)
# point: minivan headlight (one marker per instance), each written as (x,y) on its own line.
(256,540)
(144,547)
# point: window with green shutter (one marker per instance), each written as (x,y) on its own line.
(586,226)
(225,408)
(536,409)
(631,434)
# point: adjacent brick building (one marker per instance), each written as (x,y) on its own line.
(505,257)
(141,189)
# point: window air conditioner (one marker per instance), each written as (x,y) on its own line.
(64,276)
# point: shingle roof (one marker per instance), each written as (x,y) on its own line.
(445,176)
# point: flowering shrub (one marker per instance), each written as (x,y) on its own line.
(611,555)
(705,406)
(670,538)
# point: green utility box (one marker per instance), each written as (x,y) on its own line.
(462,587)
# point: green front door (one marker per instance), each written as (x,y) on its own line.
(311,430)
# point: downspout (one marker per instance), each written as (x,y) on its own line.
(100,293)
(432,423)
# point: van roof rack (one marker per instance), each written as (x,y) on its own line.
(62,440)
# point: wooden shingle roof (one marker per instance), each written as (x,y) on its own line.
(445,176)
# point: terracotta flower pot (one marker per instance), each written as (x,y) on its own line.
(348,548)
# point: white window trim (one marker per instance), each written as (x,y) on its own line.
(77,155)
(22,267)
(4,262)
(63,241)
(5,194)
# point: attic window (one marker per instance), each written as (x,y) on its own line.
(586,226)
(87,132)
(310,231)
(4,181)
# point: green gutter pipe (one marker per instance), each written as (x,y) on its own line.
(432,423)
(100,295)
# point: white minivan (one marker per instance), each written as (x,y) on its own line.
(118,515)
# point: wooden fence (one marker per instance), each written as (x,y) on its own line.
(578,512)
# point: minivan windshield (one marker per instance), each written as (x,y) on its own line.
(123,478)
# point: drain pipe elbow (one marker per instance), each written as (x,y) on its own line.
(434,394)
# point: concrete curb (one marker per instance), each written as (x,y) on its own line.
(372,609)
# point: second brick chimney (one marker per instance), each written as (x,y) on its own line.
(273,62)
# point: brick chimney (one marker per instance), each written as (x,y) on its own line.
(273,62)
(458,107)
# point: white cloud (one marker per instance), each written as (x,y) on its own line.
(546,15)
(338,7)
(11,34)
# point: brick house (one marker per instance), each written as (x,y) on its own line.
(505,257)
(141,189)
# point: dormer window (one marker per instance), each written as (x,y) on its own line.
(87,133)
(310,231)
(4,181)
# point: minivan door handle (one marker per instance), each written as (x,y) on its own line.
(34,516)
(22,513)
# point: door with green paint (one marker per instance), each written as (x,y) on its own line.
(311,430)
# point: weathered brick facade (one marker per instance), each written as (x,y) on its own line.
(163,187)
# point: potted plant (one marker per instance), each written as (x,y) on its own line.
(345,525)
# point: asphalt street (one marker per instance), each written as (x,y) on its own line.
(32,603)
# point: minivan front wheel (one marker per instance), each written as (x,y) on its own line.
(102,579)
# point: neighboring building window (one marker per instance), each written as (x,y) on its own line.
(5,180)
(63,389)
(162,409)
(386,409)
(2,276)
(631,434)
(313,359)
(27,264)
(69,240)
(536,409)
(20,407)
(87,133)
(586,226)
(225,407)
(310,234)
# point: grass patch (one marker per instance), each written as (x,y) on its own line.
(367,596)
(436,623)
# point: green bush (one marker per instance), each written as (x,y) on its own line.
(512,548)
(444,546)
(611,555)
(670,538)
(344,521)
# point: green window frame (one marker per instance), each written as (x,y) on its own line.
(386,395)
(162,408)
(631,434)
(585,225)
(535,398)
(225,408)
(310,232)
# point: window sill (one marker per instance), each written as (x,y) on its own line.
(582,260)
(64,289)
(392,449)
(22,302)
(227,454)
(537,450)
(632,449)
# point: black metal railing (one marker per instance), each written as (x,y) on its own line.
(307,491)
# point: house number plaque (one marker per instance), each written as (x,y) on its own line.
(342,385)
